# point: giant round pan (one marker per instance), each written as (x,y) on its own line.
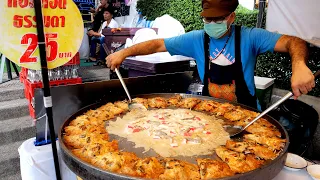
(90,172)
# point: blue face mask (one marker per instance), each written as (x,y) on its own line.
(216,30)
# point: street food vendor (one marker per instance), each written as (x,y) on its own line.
(226,54)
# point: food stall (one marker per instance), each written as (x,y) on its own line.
(70,104)
(67,100)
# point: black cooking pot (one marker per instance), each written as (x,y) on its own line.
(300,120)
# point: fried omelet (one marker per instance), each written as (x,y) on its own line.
(157,102)
(174,101)
(274,143)
(189,103)
(235,160)
(213,169)
(251,148)
(179,170)
(207,105)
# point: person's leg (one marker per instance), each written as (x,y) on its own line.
(103,53)
(93,48)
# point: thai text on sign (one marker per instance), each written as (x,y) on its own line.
(63,28)
(29,21)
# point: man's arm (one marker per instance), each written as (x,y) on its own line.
(97,9)
(302,80)
(149,47)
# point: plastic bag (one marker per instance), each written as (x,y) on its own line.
(84,50)
(129,2)
(168,26)
(143,35)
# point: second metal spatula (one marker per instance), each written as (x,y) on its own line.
(235,130)
(131,104)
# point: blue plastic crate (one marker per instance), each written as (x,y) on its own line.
(84,5)
(83,1)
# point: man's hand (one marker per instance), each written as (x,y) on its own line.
(149,47)
(96,34)
(90,33)
(302,80)
(92,10)
(114,60)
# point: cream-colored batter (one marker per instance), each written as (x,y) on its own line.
(171,132)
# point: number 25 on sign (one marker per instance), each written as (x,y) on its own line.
(52,46)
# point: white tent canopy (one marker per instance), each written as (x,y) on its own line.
(295,17)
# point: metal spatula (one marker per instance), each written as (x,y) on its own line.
(131,104)
(235,130)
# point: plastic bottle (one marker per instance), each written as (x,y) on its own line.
(196,86)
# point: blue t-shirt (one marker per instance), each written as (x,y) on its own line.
(254,41)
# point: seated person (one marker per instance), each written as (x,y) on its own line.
(98,15)
(99,37)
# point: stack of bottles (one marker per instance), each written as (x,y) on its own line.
(63,75)
(60,73)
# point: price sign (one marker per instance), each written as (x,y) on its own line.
(63,27)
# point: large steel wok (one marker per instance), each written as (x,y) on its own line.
(90,172)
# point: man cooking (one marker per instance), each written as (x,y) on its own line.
(226,54)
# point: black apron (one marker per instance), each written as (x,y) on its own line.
(227,74)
